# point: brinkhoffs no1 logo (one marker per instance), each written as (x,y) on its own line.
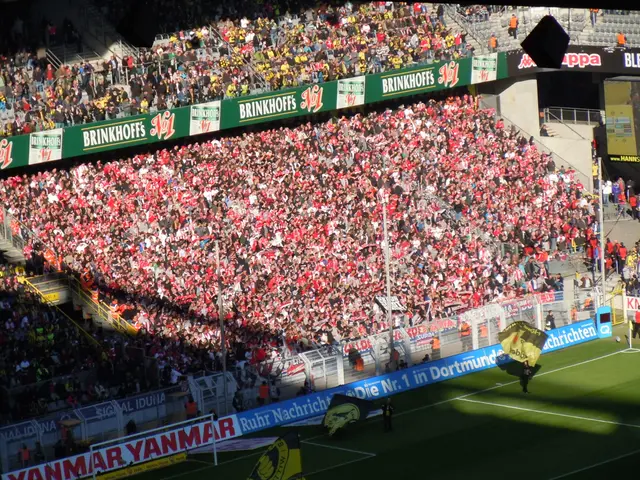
(162,125)
(449,74)
(204,118)
(6,148)
(312,99)
(45,146)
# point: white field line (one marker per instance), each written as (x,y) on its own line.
(367,454)
(580,470)
(544,412)
(249,455)
(195,460)
(461,397)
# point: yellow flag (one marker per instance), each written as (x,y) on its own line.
(522,342)
(281,461)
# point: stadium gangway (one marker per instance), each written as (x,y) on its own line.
(100,309)
(208,392)
(51,302)
(323,363)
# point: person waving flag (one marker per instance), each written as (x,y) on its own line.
(522,342)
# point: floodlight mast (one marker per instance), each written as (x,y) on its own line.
(387,268)
(603,272)
(223,347)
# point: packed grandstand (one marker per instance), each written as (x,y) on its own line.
(295,209)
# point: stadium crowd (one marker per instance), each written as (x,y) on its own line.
(224,59)
(297,212)
(38,344)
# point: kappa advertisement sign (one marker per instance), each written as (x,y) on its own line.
(131,453)
(587,59)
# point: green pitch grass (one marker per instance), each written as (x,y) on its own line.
(580,421)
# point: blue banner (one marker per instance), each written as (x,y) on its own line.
(50,423)
(404,380)
(570,335)
(134,404)
(96,413)
(19,431)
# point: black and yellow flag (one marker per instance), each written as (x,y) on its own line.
(344,410)
(281,461)
(522,342)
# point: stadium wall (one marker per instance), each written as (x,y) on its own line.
(44,147)
(575,151)
(144,449)
(518,100)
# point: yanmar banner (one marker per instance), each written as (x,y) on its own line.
(131,453)
(582,59)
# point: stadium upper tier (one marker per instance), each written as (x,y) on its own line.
(265,50)
(226,59)
(298,214)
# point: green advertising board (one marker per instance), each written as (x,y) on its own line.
(418,80)
(14,152)
(278,105)
(232,113)
(125,132)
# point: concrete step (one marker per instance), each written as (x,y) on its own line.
(12,252)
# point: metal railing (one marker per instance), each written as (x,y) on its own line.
(100,309)
(53,59)
(44,299)
(471,28)
(575,116)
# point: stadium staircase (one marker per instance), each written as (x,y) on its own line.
(98,311)
(100,40)
(475,37)
(11,254)
(11,245)
(52,288)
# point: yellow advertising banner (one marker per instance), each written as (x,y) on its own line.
(145,467)
(621,131)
